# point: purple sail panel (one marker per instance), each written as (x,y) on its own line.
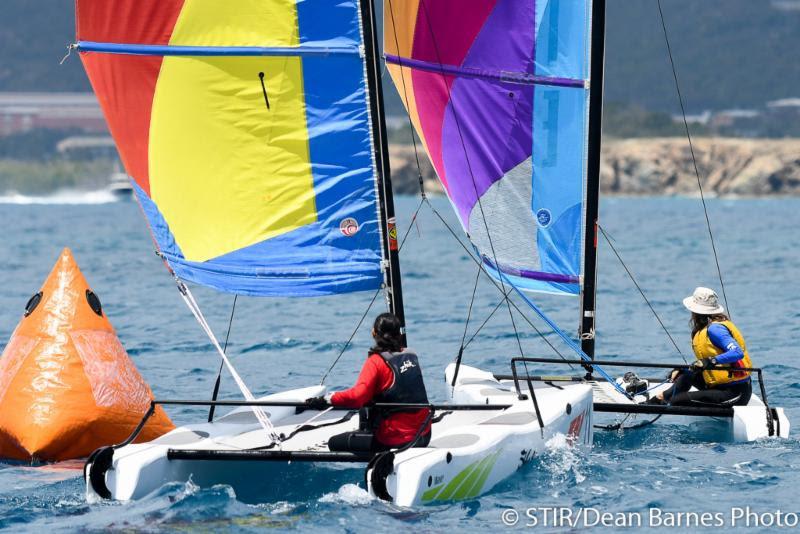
(503,121)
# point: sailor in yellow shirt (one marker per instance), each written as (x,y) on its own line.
(718,373)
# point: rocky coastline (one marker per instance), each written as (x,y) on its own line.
(728,167)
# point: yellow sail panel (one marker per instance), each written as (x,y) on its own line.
(237,23)
(226,171)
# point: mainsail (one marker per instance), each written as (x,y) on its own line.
(246,128)
(498,92)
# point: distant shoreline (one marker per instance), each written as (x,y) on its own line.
(729,168)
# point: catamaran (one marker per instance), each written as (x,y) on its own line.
(510,116)
(254,133)
(255,138)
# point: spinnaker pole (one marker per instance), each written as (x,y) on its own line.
(589,286)
(394,290)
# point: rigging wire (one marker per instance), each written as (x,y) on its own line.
(191,303)
(375,296)
(694,160)
(641,292)
(466,327)
(350,339)
(444,222)
(469,166)
(491,314)
(405,98)
(506,296)
(222,364)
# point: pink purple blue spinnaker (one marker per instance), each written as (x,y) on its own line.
(497,91)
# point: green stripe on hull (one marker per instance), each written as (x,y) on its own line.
(431,493)
(476,489)
(466,484)
(451,487)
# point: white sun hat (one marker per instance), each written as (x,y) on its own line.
(703,301)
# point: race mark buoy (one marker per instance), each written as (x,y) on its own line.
(67,386)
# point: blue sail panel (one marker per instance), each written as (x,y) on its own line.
(246,130)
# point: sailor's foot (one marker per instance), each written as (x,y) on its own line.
(655,400)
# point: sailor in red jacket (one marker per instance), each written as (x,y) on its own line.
(390,375)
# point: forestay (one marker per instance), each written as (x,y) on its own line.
(246,129)
(498,92)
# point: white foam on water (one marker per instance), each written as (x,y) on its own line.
(348,494)
(65,197)
(562,458)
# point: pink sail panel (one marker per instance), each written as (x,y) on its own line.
(497,91)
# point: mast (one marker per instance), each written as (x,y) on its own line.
(589,289)
(394,290)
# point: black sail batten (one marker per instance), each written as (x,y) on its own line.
(589,285)
(394,288)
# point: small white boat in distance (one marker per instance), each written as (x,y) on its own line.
(120,186)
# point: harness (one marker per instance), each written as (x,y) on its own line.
(407,387)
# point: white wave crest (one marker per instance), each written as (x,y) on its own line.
(64,197)
(562,458)
(348,494)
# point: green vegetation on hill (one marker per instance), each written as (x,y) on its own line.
(729,53)
(42,177)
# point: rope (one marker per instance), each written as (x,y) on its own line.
(694,160)
(494,282)
(191,303)
(405,98)
(438,215)
(350,339)
(464,335)
(570,343)
(620,425)
(641,292)
(212,408)
(469,310)
(375,296)
(469,166)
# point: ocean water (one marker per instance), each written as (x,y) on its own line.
(278,344)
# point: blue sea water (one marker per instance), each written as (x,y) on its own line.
(278,344)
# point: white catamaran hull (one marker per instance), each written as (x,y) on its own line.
(747,423)
(470,450)
(467,460)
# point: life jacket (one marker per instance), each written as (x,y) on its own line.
(704,348)
(407,386)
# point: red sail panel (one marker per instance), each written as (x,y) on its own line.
(126,21)
(125,84)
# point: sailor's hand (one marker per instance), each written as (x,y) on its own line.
(704,365)
(317,403)
(674,374)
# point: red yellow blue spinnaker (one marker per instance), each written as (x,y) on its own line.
(246,129)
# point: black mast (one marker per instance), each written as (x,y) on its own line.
(394,288)
(589,290)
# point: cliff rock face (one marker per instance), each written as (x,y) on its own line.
(732,167)
(662,166)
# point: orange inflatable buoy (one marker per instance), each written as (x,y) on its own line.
(67,386)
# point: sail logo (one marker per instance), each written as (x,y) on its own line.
(348,227)
(408,364)
(544,217)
